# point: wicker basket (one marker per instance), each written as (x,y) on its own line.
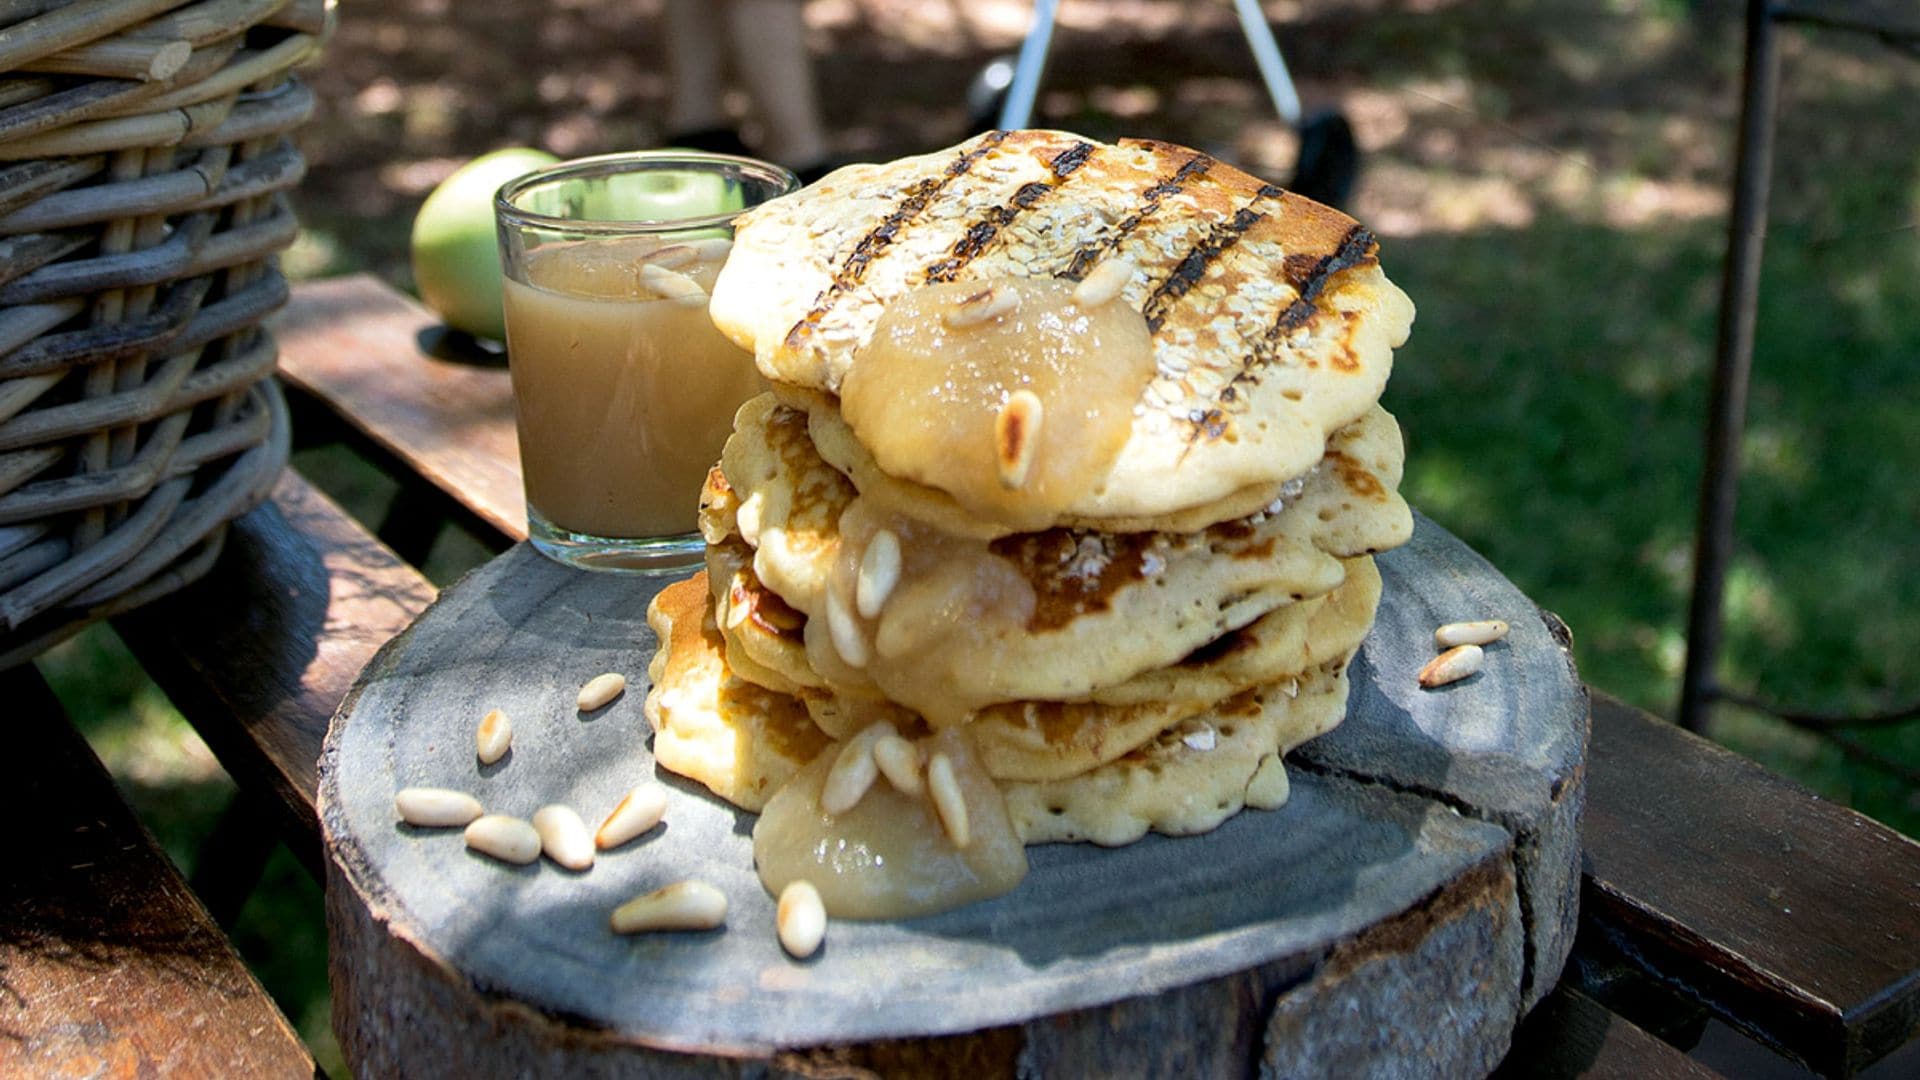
(143,160)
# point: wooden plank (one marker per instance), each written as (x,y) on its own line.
(353,343)
(1570,1035)
(260,652)
(111,965)
(1895,19)
(1793,918)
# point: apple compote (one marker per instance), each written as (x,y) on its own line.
(1013,396)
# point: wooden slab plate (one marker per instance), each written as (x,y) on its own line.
(1408,904)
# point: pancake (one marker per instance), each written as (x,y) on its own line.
(744,743)
(1052,616)
(1044,740)
(1191,777)
(740,740)
(1271,323)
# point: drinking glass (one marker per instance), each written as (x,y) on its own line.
(624,391)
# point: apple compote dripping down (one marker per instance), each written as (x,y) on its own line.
(892,855)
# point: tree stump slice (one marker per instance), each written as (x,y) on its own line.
(1387,918)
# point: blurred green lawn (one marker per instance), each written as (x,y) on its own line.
(1549,182)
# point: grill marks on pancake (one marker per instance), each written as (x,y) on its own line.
(982,233)
(1085,258)
(1193,266)
(917,199)
(1309,277)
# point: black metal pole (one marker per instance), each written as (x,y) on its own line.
(1732,363)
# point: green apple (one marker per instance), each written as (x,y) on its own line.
(456,258)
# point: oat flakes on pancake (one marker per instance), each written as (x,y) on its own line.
(1272,324)
(1191,777)
(1042,616)
(740,740)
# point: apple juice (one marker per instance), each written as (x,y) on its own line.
(624,392)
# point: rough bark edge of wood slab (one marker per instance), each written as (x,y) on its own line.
(1540,800)
(1333,1014)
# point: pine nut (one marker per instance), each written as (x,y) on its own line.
(1016,436)
(854,771)
(683,905)
(1104,282)
(563,836)
(845,632)
(505,838)
(638,812)
(600,690)
(495,734)
(879,573)
(436,808)
(1451,666)
(1484,632)
(801,919)
(716,247)
(988,303)
(673,285)
(671,257)
(1202,738)
(948,802)
(746,519)
(899,762)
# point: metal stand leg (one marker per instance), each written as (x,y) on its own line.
(1017,111)
(1733,361)
(1266,53)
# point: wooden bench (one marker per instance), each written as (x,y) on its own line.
(1712,887)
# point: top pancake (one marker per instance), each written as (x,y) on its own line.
(1272,323)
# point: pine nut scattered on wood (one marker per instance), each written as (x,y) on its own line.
(683,905)
(493,737)
(949,804)
(638,812)
(563,836)
(899,762)
(506,838)
(1451,666)
(1104,282)
(600,690)
(436,808)
(1482,632)
(879,573)
(801,919)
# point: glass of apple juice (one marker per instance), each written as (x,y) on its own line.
(624,391)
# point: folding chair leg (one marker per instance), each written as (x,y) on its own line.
(1017,111)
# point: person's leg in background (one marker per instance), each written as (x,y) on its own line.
(696,58)
(770,54)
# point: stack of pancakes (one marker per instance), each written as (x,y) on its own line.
(1142,655)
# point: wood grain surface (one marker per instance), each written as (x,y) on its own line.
(1283,892)
(108,964)
(1793,918)
(354,344)
(259,654)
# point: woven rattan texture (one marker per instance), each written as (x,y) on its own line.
(144,165)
